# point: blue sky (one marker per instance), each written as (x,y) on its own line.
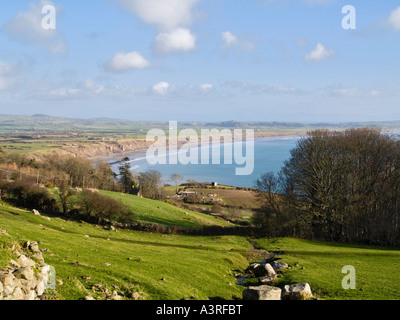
(201,60)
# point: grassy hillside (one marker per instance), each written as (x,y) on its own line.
(90,260)
(153,211)
(320,264)
(154,265)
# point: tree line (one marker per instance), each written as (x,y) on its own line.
(336,185)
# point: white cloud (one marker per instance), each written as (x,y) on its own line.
(264,89)
(319,53)
(206,87)
(175,41)
(231,40)
(394,19)
(166,14)
(26,27)
(172,18)
(126,61)
(161,88)
(6,79)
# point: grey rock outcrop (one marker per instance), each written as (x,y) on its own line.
(262,293)
(299,291)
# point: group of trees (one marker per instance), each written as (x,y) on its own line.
(340,186)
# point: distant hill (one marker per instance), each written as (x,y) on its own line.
(42,122)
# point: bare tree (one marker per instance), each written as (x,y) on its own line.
(177,179)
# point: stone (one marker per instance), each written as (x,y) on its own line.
(299,291)
(40,287)
(18,294)
(34,247)
(252,267)
(25,262)
(89,298)
(30,296)
(267,279)
(264,270)
(38,256)
(25,273)
(135,295)
(279,265)
(115,296)
(35,212)
(7,279)
(263,292)
(8,290)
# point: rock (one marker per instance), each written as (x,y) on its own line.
(18,294)
(267,279)
(264,270)
(3,231)
(263,292)
(34,247)
(300,291)
(40,288)
(252,267)
(89,298)
(25,262)
(24,273)
(107,264)
(115,296)
(7,279)
(135,295)
(279,265)
(30,296)
(35,212)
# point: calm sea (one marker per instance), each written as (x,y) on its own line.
(269,155)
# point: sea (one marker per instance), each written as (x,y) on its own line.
(269,156)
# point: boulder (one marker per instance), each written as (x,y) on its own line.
(18,294)
(267,279)
(264,270)
(299,291)
(24,273)
(34,247)
(25,262)
(252,267)
(279,265)
(7,278)
(263,292)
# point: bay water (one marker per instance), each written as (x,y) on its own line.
(269,155)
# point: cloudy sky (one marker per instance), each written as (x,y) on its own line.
(204,60)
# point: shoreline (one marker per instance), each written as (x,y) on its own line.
(110,151)
(142,152)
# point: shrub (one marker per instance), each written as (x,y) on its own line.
(93,205)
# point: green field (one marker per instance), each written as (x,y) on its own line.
(172,267)
(156,266)
(153,211)
(320,264)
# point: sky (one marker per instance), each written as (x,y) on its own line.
(201,60)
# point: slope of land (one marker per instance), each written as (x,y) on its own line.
(151,266)
(320,264)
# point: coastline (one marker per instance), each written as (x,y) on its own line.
(112,150)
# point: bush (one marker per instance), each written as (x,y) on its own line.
(95,207)
(26,194)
